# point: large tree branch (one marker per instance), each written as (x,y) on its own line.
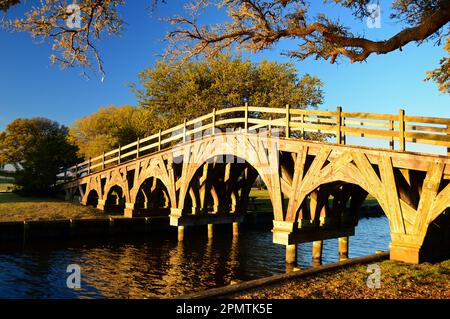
(252,30)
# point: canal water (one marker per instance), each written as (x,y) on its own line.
(158,266)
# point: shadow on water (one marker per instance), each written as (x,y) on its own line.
(155,266)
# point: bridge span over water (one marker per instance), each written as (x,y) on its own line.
(202,171)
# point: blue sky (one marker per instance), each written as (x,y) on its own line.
(31,86)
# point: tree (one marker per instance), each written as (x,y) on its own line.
(172,92)
(38,148)
(108,128)
(74,45)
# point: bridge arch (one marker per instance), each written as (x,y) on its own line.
(115,200)
(151,197)
(244,148)
(221,184)
(92,198)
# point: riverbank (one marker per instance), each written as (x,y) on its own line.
(14,208)
(397,281)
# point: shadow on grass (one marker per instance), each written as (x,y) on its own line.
(15,198)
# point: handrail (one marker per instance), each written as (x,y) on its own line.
(291,122)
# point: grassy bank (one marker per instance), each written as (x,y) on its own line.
(398,280)
(17,208)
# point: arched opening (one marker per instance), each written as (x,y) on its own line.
(438,235)
(225,184)
(342,206)
(153,198)
(115,201)
(76,196)
(92,199)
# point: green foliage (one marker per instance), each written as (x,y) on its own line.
(38,148)
(173,92)
(108,128)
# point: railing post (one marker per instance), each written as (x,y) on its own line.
(159,139)
(288,119)
(302,120)
(103,161)
(184,131)
(120,153)
(401,129)
(76,171)
(270,126)
(448,134)
(338,125)
(137,147)
(391,128)
(89,166)
(246,117)
(213,122)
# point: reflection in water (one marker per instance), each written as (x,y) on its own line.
(160,266)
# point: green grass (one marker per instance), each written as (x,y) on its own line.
(262,200)
(17,208)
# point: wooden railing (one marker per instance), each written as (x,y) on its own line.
(288,123)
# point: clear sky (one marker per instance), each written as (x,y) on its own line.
(31,86)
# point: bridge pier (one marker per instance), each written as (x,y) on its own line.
(180,233)
(130,210)
(317,249)
(291,254)
(343,248)
(101,204)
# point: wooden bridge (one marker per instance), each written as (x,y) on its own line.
(202,171)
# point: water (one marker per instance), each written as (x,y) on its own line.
(159,266)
